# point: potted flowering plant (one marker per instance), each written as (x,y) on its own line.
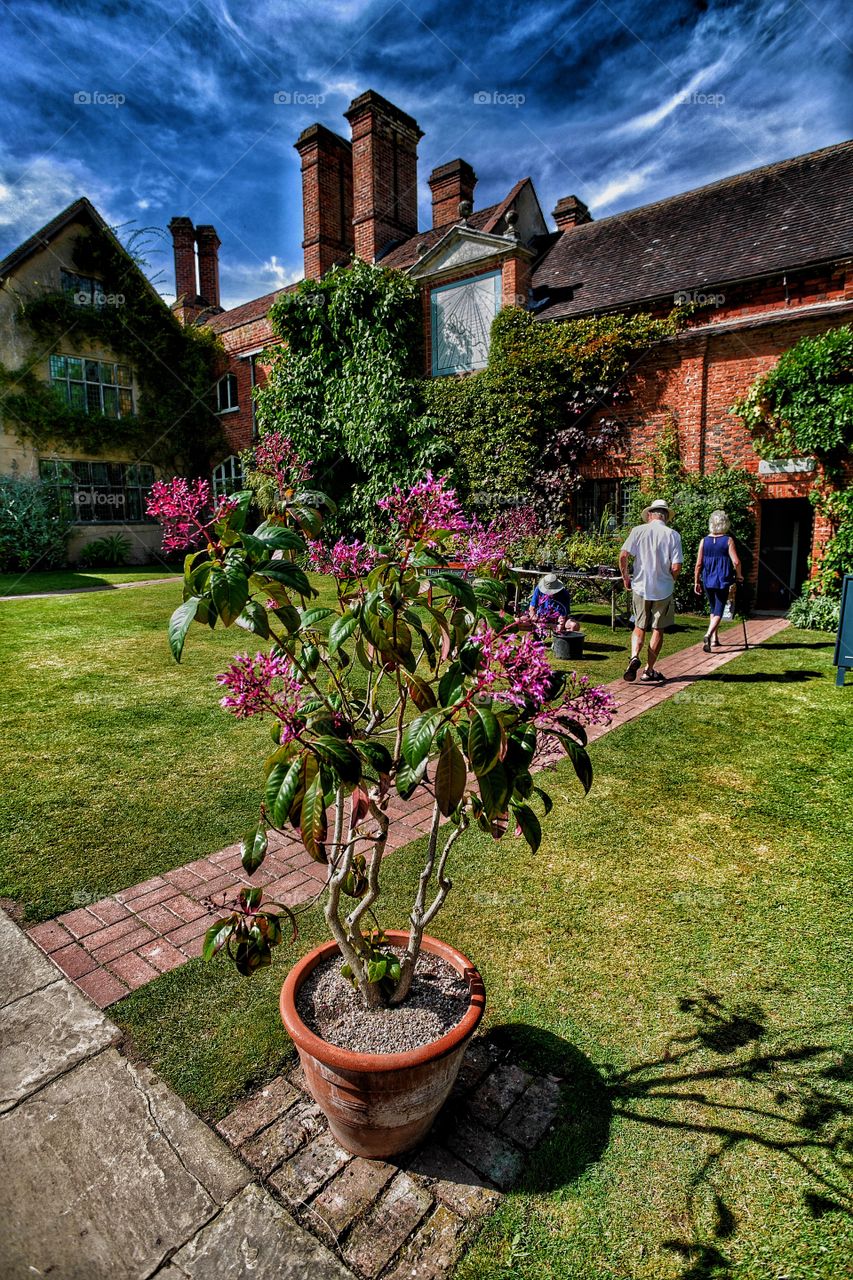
(413,692)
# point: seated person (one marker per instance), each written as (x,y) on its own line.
(551,604)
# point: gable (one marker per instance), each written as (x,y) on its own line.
(462,247)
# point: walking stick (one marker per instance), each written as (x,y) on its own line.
(742,616)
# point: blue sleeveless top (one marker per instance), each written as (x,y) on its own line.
(717,568)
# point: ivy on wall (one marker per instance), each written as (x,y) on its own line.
(804,407)
(175,368)
(547,400)
(346,387)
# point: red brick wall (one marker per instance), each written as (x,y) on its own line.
(385,174)
(237,425)
(326,199)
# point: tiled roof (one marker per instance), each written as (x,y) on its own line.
(247,311)
(779,218)
(406,253)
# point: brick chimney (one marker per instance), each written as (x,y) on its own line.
(326,199)
(571,212)
(384,172)
(450,184)
(183,244)
(208,265)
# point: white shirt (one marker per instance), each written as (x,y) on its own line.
(655,548)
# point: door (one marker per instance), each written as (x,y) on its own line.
(783,557)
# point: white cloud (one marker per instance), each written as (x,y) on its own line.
(243,281)
(626,185)
(701,81)
(33,191)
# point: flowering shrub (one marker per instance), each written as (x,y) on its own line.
(416,682)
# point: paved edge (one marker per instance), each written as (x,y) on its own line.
(79,1119)
(113,946)
(83,591)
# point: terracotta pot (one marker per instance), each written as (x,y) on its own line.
(379,1104)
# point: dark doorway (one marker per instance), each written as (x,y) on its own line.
(783,559)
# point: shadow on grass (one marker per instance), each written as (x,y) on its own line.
(792,1096)
(751,677)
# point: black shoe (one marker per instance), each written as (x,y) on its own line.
(631,670)
(706,644)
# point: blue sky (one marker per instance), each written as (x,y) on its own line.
(618,101)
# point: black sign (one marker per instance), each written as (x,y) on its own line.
(844,644)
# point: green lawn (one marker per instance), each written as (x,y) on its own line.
(33,582)
(679,951)
(121,765)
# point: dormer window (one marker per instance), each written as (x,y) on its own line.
(84,291)
(462,316)
(226,394)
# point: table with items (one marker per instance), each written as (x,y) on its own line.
(606,583)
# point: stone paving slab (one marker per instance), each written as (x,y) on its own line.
(414,1216)
(111,947)
(104,1172)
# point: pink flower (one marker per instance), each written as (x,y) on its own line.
(276,457)
(186,510)
(343,560)
(427,508)
(265,683)
(582,700)
(482,549)
(513,668)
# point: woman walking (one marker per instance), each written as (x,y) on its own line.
(717,567)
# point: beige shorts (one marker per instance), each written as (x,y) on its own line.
(653,615)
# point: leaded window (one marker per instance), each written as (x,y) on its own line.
(227,477)
(93,386)
(98,492)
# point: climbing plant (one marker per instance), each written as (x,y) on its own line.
(804,406)
(175,367)
(346,387)
(547,400)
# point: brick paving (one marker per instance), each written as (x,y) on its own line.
(111,947)
(413,1216)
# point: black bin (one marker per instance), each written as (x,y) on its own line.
(568,647)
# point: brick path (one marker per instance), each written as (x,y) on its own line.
(410,1217)
(111,947)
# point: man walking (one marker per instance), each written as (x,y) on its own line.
(657,555)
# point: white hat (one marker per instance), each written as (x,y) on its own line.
(550,584)
(660,505)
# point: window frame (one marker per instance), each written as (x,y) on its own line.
(109,493)
(231,381)
(87,391)
(231,478)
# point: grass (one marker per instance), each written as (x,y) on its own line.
(32,582)
(679,952)
(119,764)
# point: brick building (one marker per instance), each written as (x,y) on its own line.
(766,256)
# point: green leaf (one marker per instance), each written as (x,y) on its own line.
(494,790)
(254,618)
(251,897)
(313,820)
(282,787)
(253,848)
(422,694)
(580,761)
(341,757)
(289,575)
(484,740)
(529,824)
(450,776)
(341,630)
(418,737)
(216,937)
(279,537)
(179,625)
(408,779)
(451,686)
(237,519)
(547,802)
(319,613)
(376,970)
(229,587)
(376,754)
(457,587)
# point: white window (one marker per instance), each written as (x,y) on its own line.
(226,394)
(227,477)
(462,316)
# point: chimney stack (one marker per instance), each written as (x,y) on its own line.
(451,184)
(571,212)
(208,265)
(183,245)
(326,199)
(385,173)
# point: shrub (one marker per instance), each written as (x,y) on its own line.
(105,553)
(815,613)
(32,533)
